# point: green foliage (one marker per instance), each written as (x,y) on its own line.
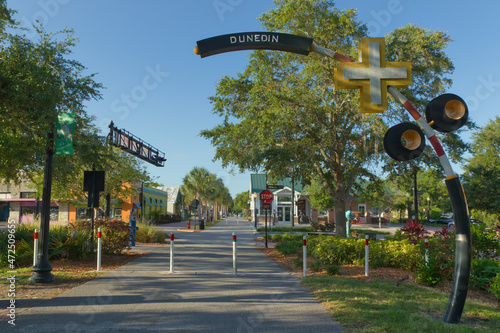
(483,272)
(413,231)
(482,173)
(318,196)
(337,250)
(350,251)
(71,244)
(288,247)
(316,266)
(281,111)
(485,242)
(277,238)
(241,202)
(428,273)
(115,233)
(292,237)
(332,269)
(149,234)
(494,287)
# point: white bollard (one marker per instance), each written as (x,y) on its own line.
(235,269)
(366,254)
(99,248)
(304,256)
(426,250)
(172,253)
(35,248)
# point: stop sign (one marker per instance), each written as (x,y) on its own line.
(266,196)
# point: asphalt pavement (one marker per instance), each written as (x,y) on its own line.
(201,295)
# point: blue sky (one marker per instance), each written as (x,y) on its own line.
(158,89)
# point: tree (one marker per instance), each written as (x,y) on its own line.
(241,202)
(318,196)
(283,111)
(204,186)
(38,81)
(482,172)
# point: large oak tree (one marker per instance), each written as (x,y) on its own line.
(284,111)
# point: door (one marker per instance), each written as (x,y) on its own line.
(284,214)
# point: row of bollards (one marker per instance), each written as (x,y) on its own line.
(235,252)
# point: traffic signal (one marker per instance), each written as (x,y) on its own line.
(404,142)
(447,113)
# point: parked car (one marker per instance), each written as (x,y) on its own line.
(451,224)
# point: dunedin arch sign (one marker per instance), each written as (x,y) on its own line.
(262,40)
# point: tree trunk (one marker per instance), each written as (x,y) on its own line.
(340,219)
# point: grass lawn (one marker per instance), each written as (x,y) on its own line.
(381,306)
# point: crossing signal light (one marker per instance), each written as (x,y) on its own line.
(447,113)
(404,142)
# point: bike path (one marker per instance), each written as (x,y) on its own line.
(202,295)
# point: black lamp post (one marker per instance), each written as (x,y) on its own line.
(42,269)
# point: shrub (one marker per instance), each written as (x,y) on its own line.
(149,234)
(332,269)
(115,233)
(483,272)
(485,242)
(413,231)
(71,245)
(277,238)
(317,266)
(288,247)
(291,237)
(428,273)
(494,287)
(337,250)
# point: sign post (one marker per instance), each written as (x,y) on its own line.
(266,197)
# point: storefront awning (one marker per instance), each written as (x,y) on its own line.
(138,205)
(149,202)
(27,202)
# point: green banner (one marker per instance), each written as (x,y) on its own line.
(64,134)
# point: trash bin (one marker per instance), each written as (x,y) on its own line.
(201,223)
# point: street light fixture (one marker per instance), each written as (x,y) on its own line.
(428,209)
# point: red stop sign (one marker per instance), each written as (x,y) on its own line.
(266,196)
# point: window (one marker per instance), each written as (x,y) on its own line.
(5,195)
(362,209)
(26,195)
(118,212)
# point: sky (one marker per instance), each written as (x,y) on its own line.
(158,89)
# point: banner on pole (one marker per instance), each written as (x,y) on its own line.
(64,134)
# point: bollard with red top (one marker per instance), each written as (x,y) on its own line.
(304,256)
(35,248)
(172,253)
(235,268)
(99,248)
(366,254)
(189,224)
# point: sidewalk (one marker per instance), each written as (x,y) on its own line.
(202,295)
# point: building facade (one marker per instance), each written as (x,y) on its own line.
(282,208)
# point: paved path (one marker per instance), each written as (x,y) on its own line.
(202,295)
